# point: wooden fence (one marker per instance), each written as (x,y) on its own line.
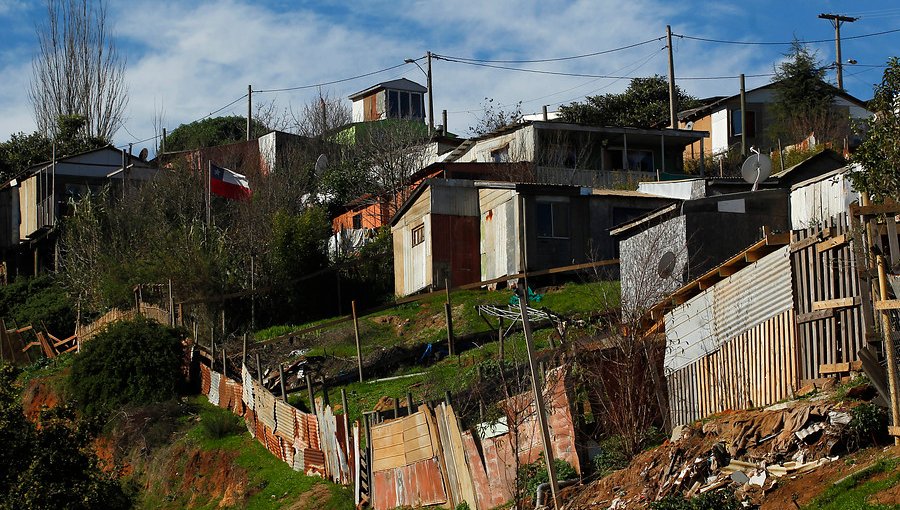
(828,298)
(757,367)
(148,311)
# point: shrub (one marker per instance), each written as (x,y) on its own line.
(867,424)
(130,362)
(219,423)
(612,456)
(534,474)
(37,301)
(722,499)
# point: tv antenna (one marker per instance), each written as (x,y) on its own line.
(756,168)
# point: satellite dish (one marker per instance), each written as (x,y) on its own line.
(144,153)
(689,126)
(666,265)
(321,164)
(756,168)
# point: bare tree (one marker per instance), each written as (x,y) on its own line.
(78,70)
(495,116)
(321,115)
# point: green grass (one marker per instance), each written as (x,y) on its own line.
(852,493)
(272,483)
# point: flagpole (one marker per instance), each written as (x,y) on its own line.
(208,191)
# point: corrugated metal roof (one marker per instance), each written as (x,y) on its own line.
(728,308)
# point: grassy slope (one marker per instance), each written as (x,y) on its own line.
(854,492)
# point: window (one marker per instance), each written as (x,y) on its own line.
(553,219)
(500,155)
(635,160)
(418,235)
(562,156)
(405,105)
(736,123)
(357,220)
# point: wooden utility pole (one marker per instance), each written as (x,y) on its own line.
(836,20)
(312,396)
(539,408)
(673,122)
(281,381)
(356,335)
(259,372)
(430,98)
(249,108)
(890,354)
(743,117)
(244,352)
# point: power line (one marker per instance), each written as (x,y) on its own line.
(555,59)
(342,80)
(208,115)
(782,43)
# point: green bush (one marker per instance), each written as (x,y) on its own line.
(462,506)
(219,423)
(722,499)
(612,456)
(38,301)
(534,474)
(129,363)
(868,423)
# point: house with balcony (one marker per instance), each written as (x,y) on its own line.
(579,155)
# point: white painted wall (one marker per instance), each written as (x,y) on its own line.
(719,131)
(685,189)
(814,202)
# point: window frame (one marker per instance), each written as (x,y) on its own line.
(735,126)
(417,235)
(554,208)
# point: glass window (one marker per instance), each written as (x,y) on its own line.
(393,104)
(736,123)
(417,106)
(553,219)
(404,105)
(500,155)
(418,235)
(357,220)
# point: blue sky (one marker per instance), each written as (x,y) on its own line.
(189,58)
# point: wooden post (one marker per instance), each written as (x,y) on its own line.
(538,397)
(325,400)
(180,314)
(543,370)
(212,351)
(447,398)
(281,381)
(259,372)
(347,426)
(409,402)
(356,334)
(171,306)
(448,312)
(396,407)
(500,338)
(223,322)
(344,404)
(890,354)
(312,396)
(224,363)
(244,354)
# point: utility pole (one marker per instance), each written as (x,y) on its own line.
(743,117)
(249,108)
(836,20)
(430,98)
(673,122)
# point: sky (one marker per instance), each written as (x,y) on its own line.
(189,58)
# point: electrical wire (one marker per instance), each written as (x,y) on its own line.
(555,59)
(332,82)
(535,71)
(782,43)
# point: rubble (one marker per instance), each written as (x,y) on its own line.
(747,451)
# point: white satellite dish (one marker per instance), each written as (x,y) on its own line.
(689,126)
(321,164)
(756,168)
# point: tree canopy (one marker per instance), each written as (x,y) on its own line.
(212,132)
(644,104)
(879,153)
(23,150)
(804,101)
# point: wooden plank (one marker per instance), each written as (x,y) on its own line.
(874,210)
(803,243)
(888,304)
(894,431)
(836,303)
(893,242)
(833,242)
(815,316)
(834,368)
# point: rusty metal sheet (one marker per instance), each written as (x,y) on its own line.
(204,379)
(247,394)
(225,393)
(415,485)
(314,462)
(265,408)
(284,420)
(215,380)
(384,490)
(237,403)
(250,421)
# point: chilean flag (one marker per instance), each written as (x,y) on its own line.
(228,184)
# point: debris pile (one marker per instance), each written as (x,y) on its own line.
(747,451)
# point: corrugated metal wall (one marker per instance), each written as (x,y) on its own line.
(499,233)
(739,302)
(756,368)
